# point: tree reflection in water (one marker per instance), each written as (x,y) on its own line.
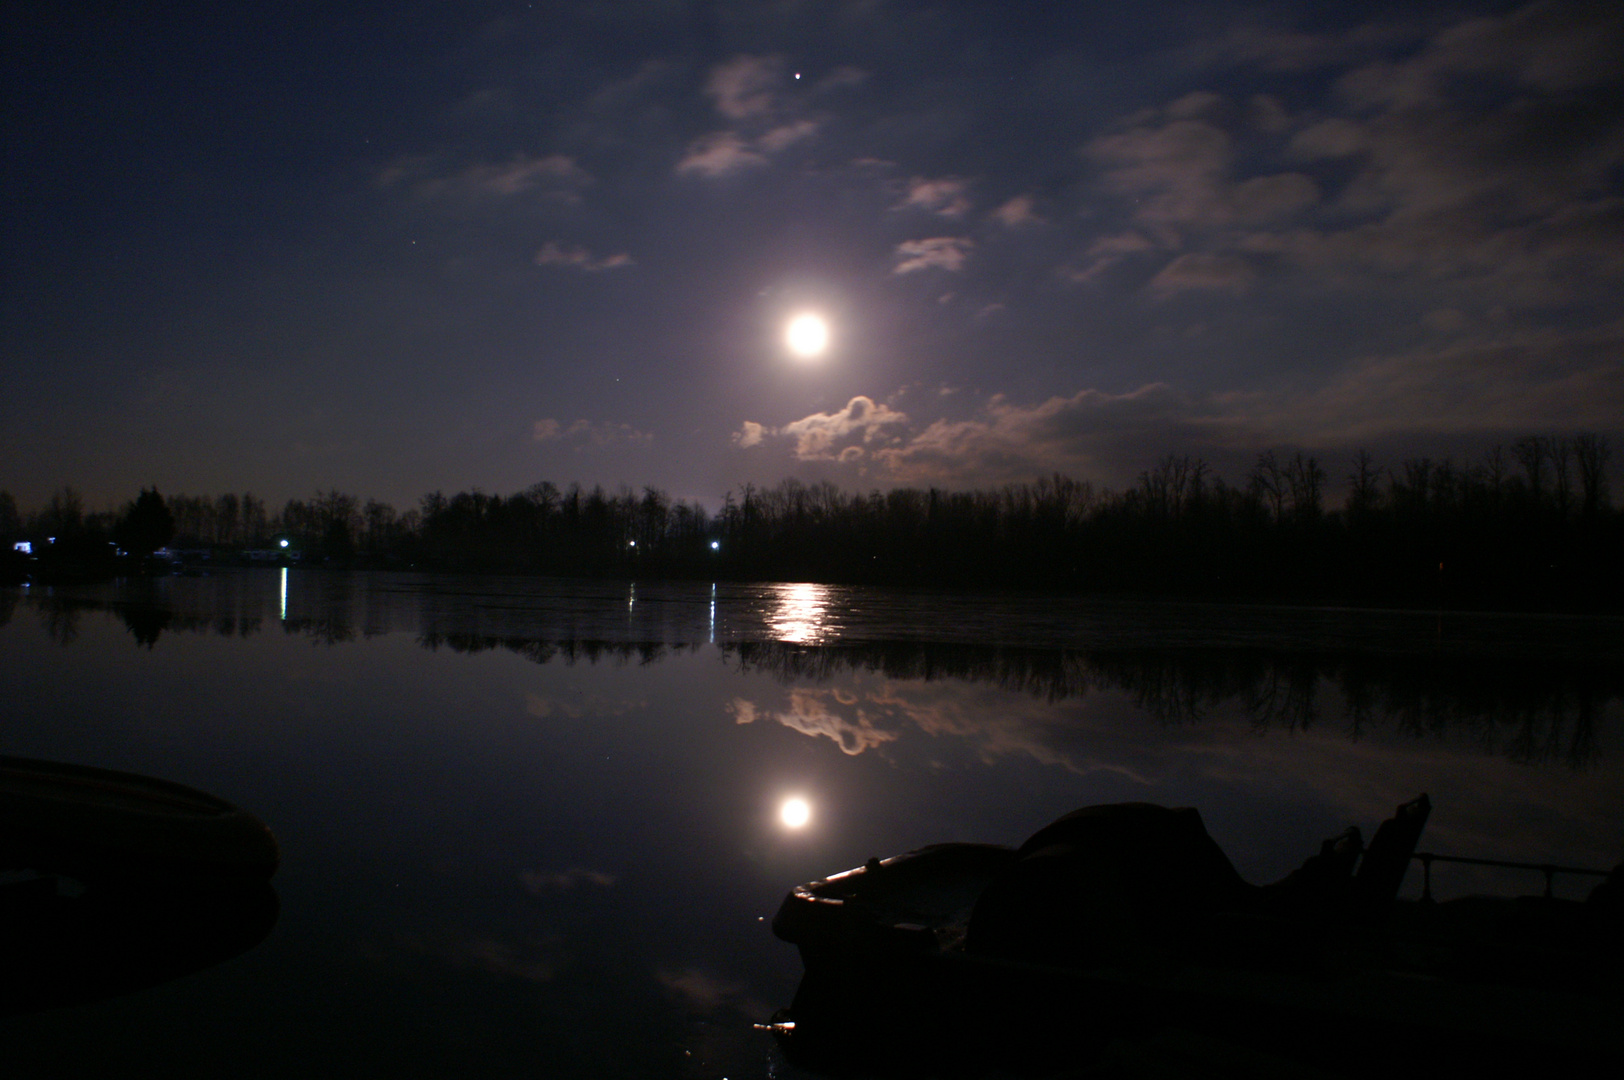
(1530,706)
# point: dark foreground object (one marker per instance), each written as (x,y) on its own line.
(1119,941)
(111,882)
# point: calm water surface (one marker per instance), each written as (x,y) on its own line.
(530,828)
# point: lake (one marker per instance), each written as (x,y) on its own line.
(531,827)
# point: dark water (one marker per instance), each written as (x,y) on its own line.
(531,828)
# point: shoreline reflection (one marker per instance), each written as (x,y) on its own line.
(1544,710)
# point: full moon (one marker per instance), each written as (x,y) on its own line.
(807,335)
(795,813)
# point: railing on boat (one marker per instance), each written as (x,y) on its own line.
(1427,858)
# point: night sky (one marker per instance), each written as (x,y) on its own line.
(398,247)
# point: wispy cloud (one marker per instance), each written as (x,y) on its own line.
(1016,212)
(947,196)
(721,153)
(744,90)
(540,883)
(938,252)
(1103,254)
(586,432)
(555,175)
(579,258)
(1202,272)
(825,714)
(1406,168)
(786,135)
(743,87)
(1490,381)
(1009,441)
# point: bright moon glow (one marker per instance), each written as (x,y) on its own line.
(795,813)
(807,335)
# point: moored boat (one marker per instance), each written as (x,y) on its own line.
(111,882)
(91,823)
(1123,926)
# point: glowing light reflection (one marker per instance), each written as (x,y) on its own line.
(284,594)
(799,614)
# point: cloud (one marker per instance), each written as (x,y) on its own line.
(750,434)
(945,196)
(1546,47)
(1489,382)
(824,714)
(555,175)
(1016,212)
(816,436)
(585,432)
(1091,433)
(579,258)
(939,252)
(744,91)
(840,78)
(1475,160)
(719,154)
(1334,138)
(537,883)
(1205,273)
(723,153)
(1267,198)
(994,723)
(742,88)
(698,990)
(1179,175)
(535,959)
(1069,434)
(786,135)
(1105,253)
(819,437)
(1176,172)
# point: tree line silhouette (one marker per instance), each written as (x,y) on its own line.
(1529,525)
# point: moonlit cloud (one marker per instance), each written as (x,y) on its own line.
(1175,172)
(819,437)
(1105,253)
(1016,212)
(1485,382)
(556,175)
(700,990)
(822,713)
(585,432)
(1203,273)
(750,434)
(719,154)
(1088,433)
(579,258)
(1009,441)
(539,883)
(1284,227)
(945,196)
(841,78)
(816,436)
(938,252)
(787,135)
(742,88)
